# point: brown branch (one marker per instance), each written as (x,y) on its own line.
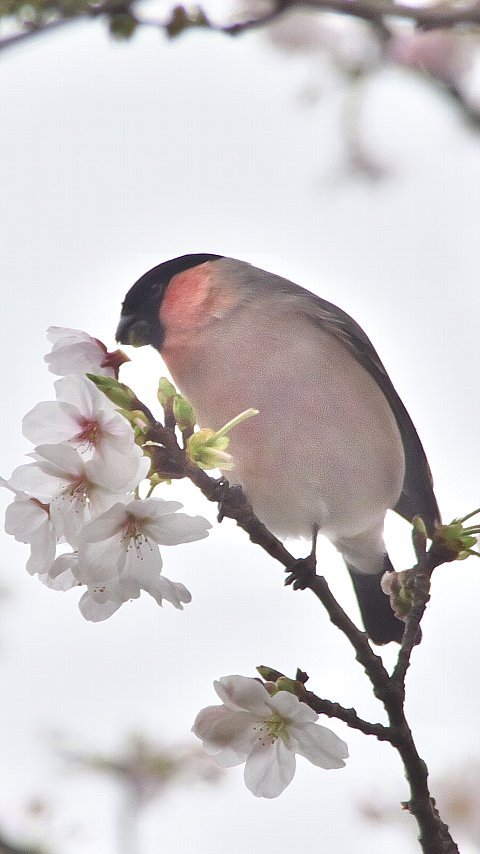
(390,690)
(326,707)
(375,12)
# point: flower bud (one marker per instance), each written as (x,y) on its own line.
(118,393)
(184,413)
(166,392)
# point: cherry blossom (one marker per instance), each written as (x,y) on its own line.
(78,489)
(82,416)
(265,732)
(76,352)
(123,541)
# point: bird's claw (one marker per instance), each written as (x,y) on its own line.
(302,573)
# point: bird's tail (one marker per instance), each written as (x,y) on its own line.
(378,618)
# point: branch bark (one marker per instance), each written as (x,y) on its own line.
(389,689)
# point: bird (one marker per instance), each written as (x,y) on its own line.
(332,447)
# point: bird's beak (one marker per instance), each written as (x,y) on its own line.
(133,331)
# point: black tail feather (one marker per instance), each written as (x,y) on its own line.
(378,618)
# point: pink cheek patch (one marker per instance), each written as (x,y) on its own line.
(186,301)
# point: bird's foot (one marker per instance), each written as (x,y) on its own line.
(302,572)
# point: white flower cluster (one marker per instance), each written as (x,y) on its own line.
(81,491)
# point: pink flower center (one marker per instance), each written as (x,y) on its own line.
(89,434)
(76,492)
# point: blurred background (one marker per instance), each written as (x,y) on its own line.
(326,151)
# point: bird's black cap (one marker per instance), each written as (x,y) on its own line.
(139,322)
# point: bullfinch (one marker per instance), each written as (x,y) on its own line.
(332,448)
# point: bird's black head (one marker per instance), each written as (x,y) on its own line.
(139,321)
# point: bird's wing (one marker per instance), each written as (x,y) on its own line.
(417,496)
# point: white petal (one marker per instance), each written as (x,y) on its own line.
(106,525)
(243,692)
(144,563)
(51,421)
(227,735)
(101,500)
(63,333)
(177,528)
(69,513)
(81,393)
(152,509)
(77,358)
(60,460)
(117,472)
(269,769)
(144,566)
(31,479)
(43,548)
(61,576)
(289,707)
(23,518)
(319,745)
(174,592)
(102,560)
(94,611)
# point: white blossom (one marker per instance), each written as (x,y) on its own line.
(78,489)
(265,732)
(82,416)
(29,521)
(124,540)
(76,352)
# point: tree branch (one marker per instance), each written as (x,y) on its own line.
(390,690)
(375,12)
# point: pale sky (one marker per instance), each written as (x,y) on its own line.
(114,158)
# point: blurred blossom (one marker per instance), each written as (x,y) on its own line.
(351,44)
(457,794)
(147,769)
(445,54)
